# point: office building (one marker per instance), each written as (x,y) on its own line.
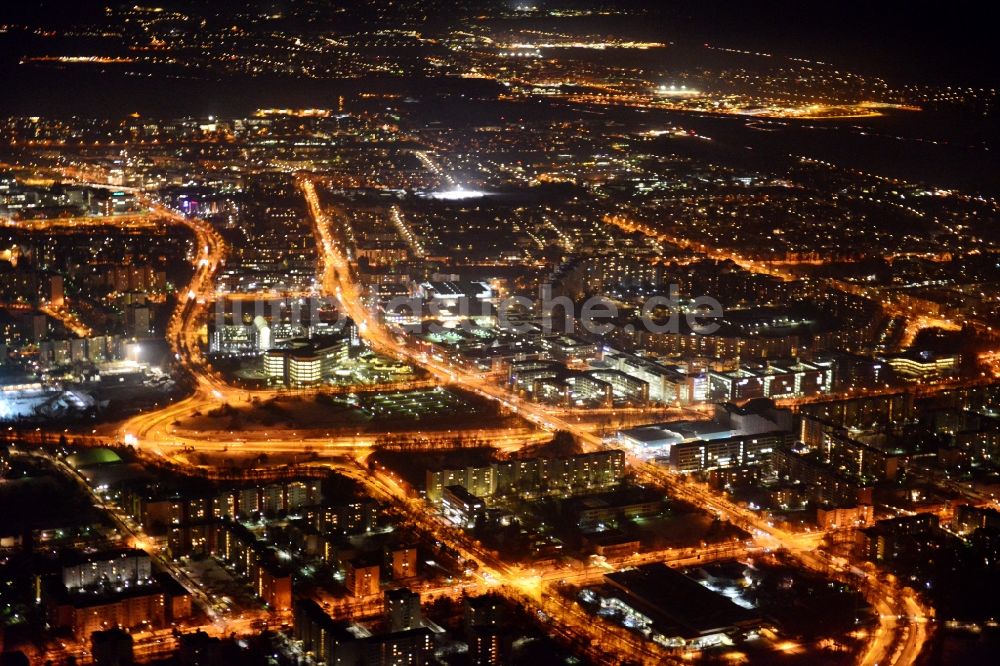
(460,506)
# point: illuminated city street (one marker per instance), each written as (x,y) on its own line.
(498,334)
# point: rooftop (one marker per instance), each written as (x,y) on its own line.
(672,599)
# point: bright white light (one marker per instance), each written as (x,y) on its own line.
(130,439)
(458,193)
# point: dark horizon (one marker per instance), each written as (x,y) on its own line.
(905,42)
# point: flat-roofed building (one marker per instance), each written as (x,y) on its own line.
(731,452)
(402,609)
(116,567)
(401,561)
(460,506)
(676,611)
(334,642)
(580,473)
(925,365)
(303,363)
(362,577)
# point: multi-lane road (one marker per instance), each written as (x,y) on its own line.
(902,629)
(902,618)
